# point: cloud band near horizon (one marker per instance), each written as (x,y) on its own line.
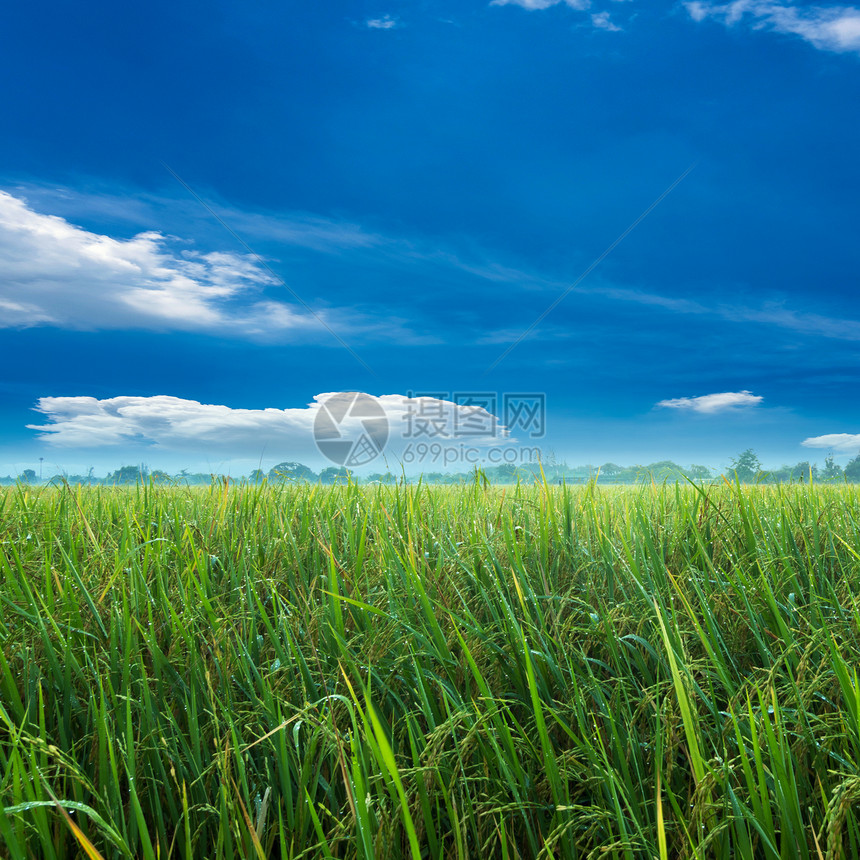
(172,423)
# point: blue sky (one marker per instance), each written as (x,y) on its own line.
(383,196)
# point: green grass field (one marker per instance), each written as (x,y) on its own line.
(381,672)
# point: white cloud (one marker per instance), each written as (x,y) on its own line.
(386,22)
(710,404)
(542,4)
(526,4)
(602,21)
(599,20)
(828,28)
(847,442)
(53,272)
(163,422)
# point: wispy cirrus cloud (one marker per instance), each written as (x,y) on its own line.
(601,20)
(386,22)
(770,314)
(773,314)
(711,404)
(533,5)
(843,442)
(135,207)
(828,28)
(55,273)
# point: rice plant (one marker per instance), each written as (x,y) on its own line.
(430,672)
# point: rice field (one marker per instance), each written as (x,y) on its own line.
(430,672)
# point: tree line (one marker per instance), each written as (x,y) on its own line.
(746,468)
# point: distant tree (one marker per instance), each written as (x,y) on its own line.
(384,478)
(804,471)
(778,476)
(746,466)
(506,473)
(611,470)
(852,470)
(632,474)
(331,475)
(831,471)
(664,470)
(190,479)
(160,477)
(28,476)
(127,475)
(257,476)
(195,478)
(291,472)
(76,479)
(87,479)
(699,473)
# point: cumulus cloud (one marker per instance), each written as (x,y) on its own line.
(53,272)
(711,404)
(828,28)
(847,442)
(386,22)
(163,422)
